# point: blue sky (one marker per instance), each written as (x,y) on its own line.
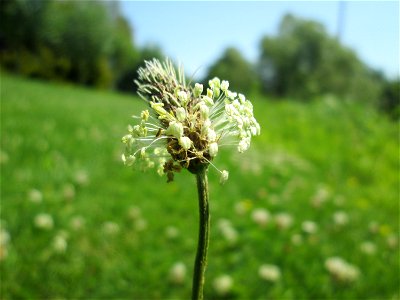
(196,33)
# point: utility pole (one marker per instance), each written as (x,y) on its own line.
(340,20)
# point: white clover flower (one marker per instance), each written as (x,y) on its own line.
(228,231)
(339,200)
(3,252)
(392,241)
(223,284)
(230,234)
(134,212)
(44,221)
(60,243)
(110,228)
(269,272)
(4,240)
(340,218)
(283,220)
(140,224)
(177,273)
(309,227)
(373,227)
(82,177)
(77,222)
(368,247)
(4,237)
(321,196)
(3,157)
(341,270)
(35,196)
(243,207)
(296,239)
(261,216)
(186,126)
(68,191)
(171,232)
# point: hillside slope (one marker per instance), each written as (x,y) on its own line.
(321,181)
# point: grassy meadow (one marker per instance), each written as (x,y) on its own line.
(320,182)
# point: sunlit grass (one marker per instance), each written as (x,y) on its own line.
(329,167)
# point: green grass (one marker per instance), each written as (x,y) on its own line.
(310,162)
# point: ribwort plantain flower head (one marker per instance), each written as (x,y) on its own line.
(185,125)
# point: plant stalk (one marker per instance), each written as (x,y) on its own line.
(204,231)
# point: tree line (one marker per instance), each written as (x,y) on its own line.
(91,43)
(86,42)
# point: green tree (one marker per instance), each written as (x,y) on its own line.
(233,67)
(390,98)
(124,55)
(88,42)
(126,81)
(303,61)
(81,33)
(21,22)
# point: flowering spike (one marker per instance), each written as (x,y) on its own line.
(185,127)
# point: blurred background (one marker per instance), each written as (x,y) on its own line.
(310,211)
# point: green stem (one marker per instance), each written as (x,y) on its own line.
(204,227)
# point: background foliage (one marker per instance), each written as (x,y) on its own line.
(85,42)
(303,61)
(233,67)
(91,43)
